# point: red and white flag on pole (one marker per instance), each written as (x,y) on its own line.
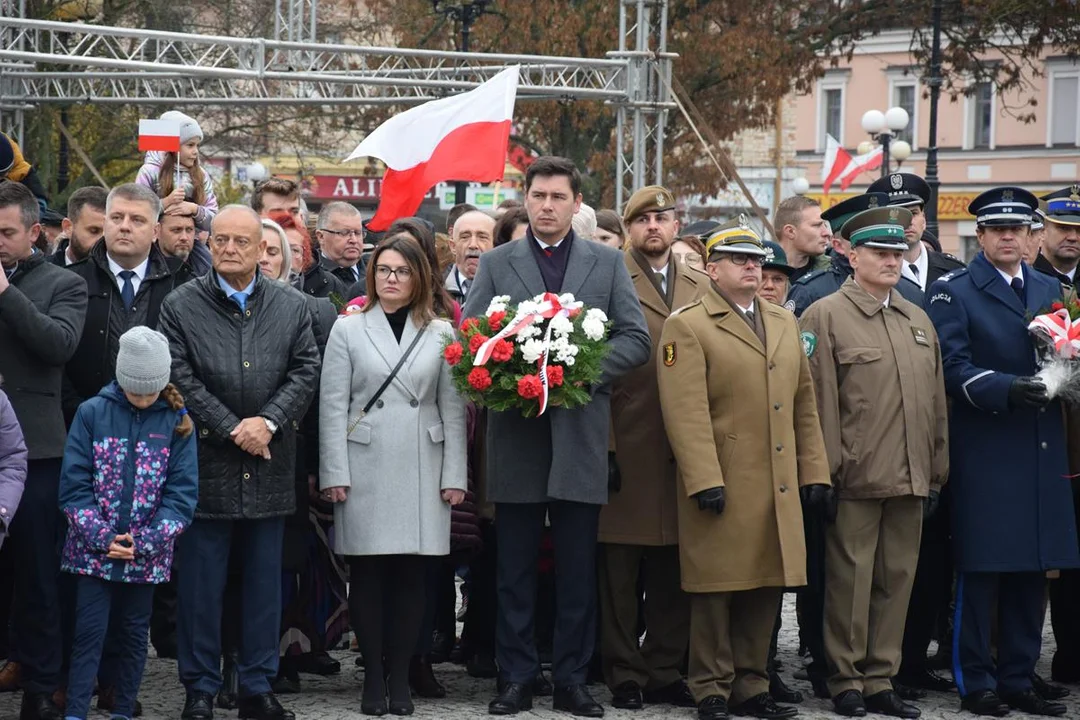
(834,163)
(462,137)
(860,164)
(160,135)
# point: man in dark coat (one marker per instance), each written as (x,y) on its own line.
(245,359)
(1012,514)
(42,308)
(556,465)
(340,235)
(82,227)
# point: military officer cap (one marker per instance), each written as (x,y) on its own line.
(881,228)
(651,198)
(903,189)
(1063,206)
(699,229)
(1038,220)
(776,258)
(1004,207)
(735,236)
(841,212)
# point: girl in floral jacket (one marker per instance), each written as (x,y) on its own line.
(129,487)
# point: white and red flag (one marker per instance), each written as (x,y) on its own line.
(462,137)
(160,135)
(860,164)
(834,163)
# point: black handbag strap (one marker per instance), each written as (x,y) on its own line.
(394,372)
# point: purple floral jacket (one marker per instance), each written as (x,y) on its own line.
(126,471)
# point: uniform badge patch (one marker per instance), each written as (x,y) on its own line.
(920,336)
(669,354)
(790,306)
(809,342)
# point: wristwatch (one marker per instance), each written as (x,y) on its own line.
(270,425)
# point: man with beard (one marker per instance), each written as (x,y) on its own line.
(921,266)
(82,227)
(1061,242)
(176,236)
(639,525)
(472,235)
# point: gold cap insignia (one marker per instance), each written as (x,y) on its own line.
(660,200)
(894,214)
(1074,192)
(744,222)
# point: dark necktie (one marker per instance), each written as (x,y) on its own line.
(549,251)
(750,316)
(1018,288)
(914,270)
(127,290)
(661,280)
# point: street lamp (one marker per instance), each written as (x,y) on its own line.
(882,127)
(465,12)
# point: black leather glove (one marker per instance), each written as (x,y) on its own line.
(711,499)
(1028,392)
(614,477)
(930,504)
(819,498)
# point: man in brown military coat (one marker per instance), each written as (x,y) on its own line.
(738,405)
(881,398)
(639,527)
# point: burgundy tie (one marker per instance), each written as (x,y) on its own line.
(549,251)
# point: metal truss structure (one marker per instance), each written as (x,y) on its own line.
(66,63)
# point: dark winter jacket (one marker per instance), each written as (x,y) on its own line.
(465,518)
(231,365)
(319,282)
(12,465)
(41,320)
(126,471)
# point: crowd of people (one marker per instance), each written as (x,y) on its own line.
(231,430)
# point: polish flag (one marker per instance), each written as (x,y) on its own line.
(835,162)
(160,135)
(462,137)
(860,164)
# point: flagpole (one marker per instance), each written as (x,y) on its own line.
(177,183)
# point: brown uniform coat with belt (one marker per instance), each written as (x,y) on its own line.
(741,415)
(881,394)
(643,511)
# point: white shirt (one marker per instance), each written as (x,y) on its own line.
(662,277)
(746,310)
(1009,278)
(545,247)
(922,263)
(137,278)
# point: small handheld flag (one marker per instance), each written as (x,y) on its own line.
(160,135)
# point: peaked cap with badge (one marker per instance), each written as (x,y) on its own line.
(841,212)
(902,189)
(881,228)
(1004,207)
(735,236)
(1063,206)
(776,258)
(651,198)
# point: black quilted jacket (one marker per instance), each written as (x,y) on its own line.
(232,365)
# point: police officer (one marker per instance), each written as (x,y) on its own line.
(921,266)
(775,274)
(1012,515)
(639,527)
(881,398)
(1060,252)
(738,406)
(820,283)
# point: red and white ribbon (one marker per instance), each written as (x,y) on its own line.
(1062,331)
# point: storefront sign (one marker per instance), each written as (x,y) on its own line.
(951,206)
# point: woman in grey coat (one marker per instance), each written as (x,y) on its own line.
(12,464)
(394,472)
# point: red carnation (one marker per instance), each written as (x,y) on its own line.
(1056,306)
(470,325)
(476,341)
(502,351)
(453,353)
(495,320)
(554,375)
(529,387)
(479,378)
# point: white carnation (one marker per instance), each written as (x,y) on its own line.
(529,331)
(561,325)
(593,327)
(532,350)
(527,307)
(566,299)
(596,314)
(495,307)
(568,362)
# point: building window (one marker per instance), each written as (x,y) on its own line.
(969,247)
(1065,109)
(832,121)
(982,116)
(904,97)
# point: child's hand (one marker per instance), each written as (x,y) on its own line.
(122,548)
(176,196)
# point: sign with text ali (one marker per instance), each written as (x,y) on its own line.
(348,188)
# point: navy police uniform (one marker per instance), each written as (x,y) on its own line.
(1011,513)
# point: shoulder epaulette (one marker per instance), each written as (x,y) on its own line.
(811,275)
(953,274)
(693,303)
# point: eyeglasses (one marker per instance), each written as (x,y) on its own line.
(222,241)
(383,272)
(742,259)
(346,233)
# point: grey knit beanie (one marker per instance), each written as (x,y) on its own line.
(143,363)
(189,126)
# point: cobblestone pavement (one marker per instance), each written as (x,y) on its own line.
(337,698)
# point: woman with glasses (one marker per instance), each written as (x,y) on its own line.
(392,440)
(690,251)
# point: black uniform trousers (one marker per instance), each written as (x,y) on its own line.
(812,597)
(928,611)
(519,528)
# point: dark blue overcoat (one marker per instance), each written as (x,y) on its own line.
(1012,507)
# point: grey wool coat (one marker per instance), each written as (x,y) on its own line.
(408,448)
(561,455)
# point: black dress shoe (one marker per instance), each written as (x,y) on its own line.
(677,694)
(1046,690)
(984,702)
(888,702)
(763,706)
(422,679)
(780,691)
(287,682)
(373,699)
(198,706)
(317,663)
(263,707)
(482,665)
(512,699)
(577,700)
(906,692)
(1032,703)
(627,696)
(39,706)
(230,684)
(402,707)
(442,645)
(925,680)
(713,707)
(850,703)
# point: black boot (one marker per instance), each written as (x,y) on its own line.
(422,678)
(230,683)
